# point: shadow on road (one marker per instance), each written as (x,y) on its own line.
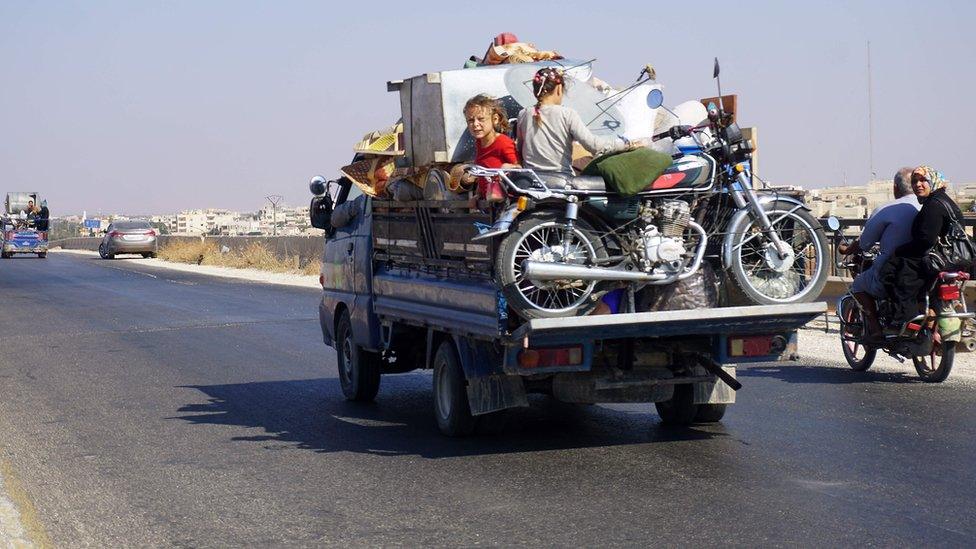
(313,414)
(828,375)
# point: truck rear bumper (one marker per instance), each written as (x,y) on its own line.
(498,392)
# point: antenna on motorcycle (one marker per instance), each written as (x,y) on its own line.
(715,75)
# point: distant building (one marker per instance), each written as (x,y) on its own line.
(209,221)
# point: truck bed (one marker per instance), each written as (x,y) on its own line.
(740,320)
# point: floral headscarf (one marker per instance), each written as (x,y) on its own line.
(934,177)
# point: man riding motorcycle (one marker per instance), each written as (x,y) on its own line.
(891,226)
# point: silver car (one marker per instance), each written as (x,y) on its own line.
(128,237)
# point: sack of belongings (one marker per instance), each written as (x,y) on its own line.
(698,291)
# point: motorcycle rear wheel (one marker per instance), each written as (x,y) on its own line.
(763,277)
(539,237)
(858,357)
(935,368)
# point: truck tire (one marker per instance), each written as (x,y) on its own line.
(710,413)
(681,409)
(451,407)
(42,255)
(359,370)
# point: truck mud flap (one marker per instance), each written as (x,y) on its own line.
(496,392)
(756,319)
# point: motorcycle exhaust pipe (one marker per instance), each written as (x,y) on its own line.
(541,270)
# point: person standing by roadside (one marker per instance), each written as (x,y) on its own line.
(42,217)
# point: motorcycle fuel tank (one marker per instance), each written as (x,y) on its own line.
(694,173)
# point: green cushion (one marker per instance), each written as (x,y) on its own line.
(629,172)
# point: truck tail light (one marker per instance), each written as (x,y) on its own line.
(949,292)
(762,345)
(551,356)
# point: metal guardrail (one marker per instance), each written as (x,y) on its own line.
(851,228)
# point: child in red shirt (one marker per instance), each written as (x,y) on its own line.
(487,123)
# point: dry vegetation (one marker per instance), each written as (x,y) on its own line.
(254,256)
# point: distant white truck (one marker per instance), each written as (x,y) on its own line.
(23,230)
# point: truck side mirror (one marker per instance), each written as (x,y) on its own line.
(320,209)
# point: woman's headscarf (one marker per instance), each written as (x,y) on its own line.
(934,177)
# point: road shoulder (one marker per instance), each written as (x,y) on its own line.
(19,523)
(253,275)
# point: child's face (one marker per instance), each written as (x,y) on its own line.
(481,122)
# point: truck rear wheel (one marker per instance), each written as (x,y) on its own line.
(359,370)
(710,413)
(451,405)
(681,409)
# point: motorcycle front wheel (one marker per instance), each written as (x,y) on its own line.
(858,357)
(935,367)
(540,236)
(767,277)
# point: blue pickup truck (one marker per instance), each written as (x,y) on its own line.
(21,233)
(404,287)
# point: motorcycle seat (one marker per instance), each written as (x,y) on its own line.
(577,183)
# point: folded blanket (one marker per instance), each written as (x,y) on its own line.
(629,172)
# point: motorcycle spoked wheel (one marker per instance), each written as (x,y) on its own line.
(539,236)
(761,275)
(935,367)
(858,357)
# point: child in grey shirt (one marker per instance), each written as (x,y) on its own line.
(547,131)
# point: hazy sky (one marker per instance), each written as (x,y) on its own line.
(147,106)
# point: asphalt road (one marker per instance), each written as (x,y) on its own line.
(140,406)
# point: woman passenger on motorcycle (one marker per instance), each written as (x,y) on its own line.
(905,275)
(546,132)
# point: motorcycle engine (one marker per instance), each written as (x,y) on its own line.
(673,217)
(663,249)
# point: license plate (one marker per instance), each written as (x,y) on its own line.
(132,237)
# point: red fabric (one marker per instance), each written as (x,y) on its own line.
(501,151)
(505,38)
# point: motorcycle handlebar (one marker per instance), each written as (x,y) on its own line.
(674,132)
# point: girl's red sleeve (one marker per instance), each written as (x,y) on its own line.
(509,155)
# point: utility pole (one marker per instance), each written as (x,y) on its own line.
(274,200)
(870,118)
